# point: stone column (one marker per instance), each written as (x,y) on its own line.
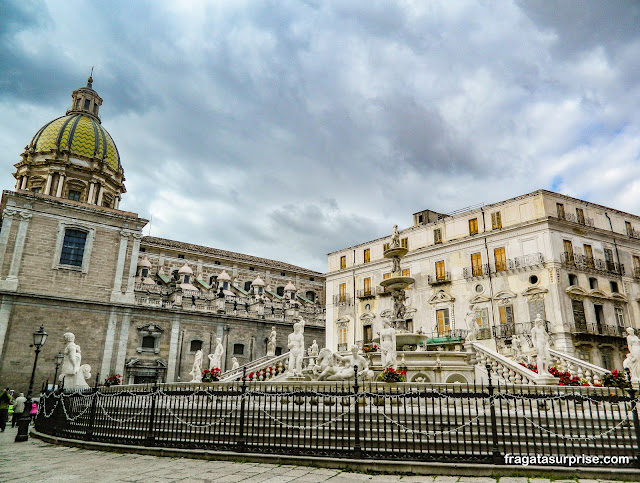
(100,194)
(6,305)
(173,348)
(116,202)
(60,184)
(7,219)
(108,344)
(122,254)
(90,196)
(19,246)
(23,185)
(122,343)
(47,188)
(133,266)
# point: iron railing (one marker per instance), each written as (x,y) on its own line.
(519,328)
(582,220)
(599,329)
(365,293)
(342,299)
(582,262)
(438,280)
(411,421)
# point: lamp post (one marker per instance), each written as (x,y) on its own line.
(59,358)
(39,338)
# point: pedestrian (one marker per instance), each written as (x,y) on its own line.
(5,402)
(18,409)
(34,411)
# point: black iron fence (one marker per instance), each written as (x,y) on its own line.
(411,421)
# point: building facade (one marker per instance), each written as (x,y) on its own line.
(139,306)
(491,269)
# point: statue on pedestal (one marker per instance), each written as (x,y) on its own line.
(388,345)
(395,238)
(215,359)
(313,354)
(72,372)
(234,363)
(296,348)
(399,310)
(632,361)
(540,341)
(271,342)
(346,372)
(196,370)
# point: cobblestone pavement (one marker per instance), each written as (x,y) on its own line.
(37,461)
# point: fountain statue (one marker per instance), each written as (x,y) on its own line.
(632,361)
(388,345)
(72,373)
(540,340)
(215,359)
(196,370)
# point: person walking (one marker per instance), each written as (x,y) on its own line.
(5,402)
(18,409)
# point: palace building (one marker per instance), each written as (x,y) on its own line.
(491,269)
(139,306)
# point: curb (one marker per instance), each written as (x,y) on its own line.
(361,466)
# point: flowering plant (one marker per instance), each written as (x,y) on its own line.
(114,380)
(615,378)
(212,375)
(370,348)
(392,375)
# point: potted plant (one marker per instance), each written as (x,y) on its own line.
(212,375)
(114,380)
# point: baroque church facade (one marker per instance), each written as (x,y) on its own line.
(139,306)
(490,270)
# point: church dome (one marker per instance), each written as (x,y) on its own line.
(80,135)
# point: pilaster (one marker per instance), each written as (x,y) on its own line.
(116,293)
(122,342)
(11,283)
(7,220)
(6,305)
(173,348)
(108,344)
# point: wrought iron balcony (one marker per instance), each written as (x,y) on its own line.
(503,331)
(477,271)
(583,220)
(365,293)
(439,280)
(582,262)
(482,333)
(599,329)
(342,299)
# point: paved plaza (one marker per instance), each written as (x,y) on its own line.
(38,461)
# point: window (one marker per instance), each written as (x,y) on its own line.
(385,247)
(580,215)
(568,250)
(181,256)
(437,236)
(593,283)
(311,295)
(585,355)
(187,278)
(343,292)
(368,334)
(599,313)
(74,195)
(560,210)
(367,255)
(500,259)
(148,342)
(280,291)
(420,218)
(607,359)
(537,307)
(440,273)
(145,272)
(473,226)
(87,103)
(636,266)
(442,318)
(506,314)
(579,318)
(247,286)
(588,255)
(282,274)
(496,220)
(608,259)
(251,269)
(367,286)
(386,276)
(312,278)
(238,349)
(342,335)
(614,286)
(476,264)
(73,247)
(195,345)
(629,228)
(573,279)
(619,313)
(343,262)
(404,242)
(482,318)
(216,263)
(406,272)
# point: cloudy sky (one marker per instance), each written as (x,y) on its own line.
(289,129)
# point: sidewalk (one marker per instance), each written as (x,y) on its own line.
(37,461)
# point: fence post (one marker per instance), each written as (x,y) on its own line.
(357,450)
(497,460)
(92,416)
(636,419)
(243,388)
(151,439)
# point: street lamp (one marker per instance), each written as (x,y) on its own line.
(59,358)
(39,338)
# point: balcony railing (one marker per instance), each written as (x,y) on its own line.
(574,219)
(342,299)
(599,329)
(447,336)
(502,331)
(438,280)
(582,262)
(365,293)
(476,271)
